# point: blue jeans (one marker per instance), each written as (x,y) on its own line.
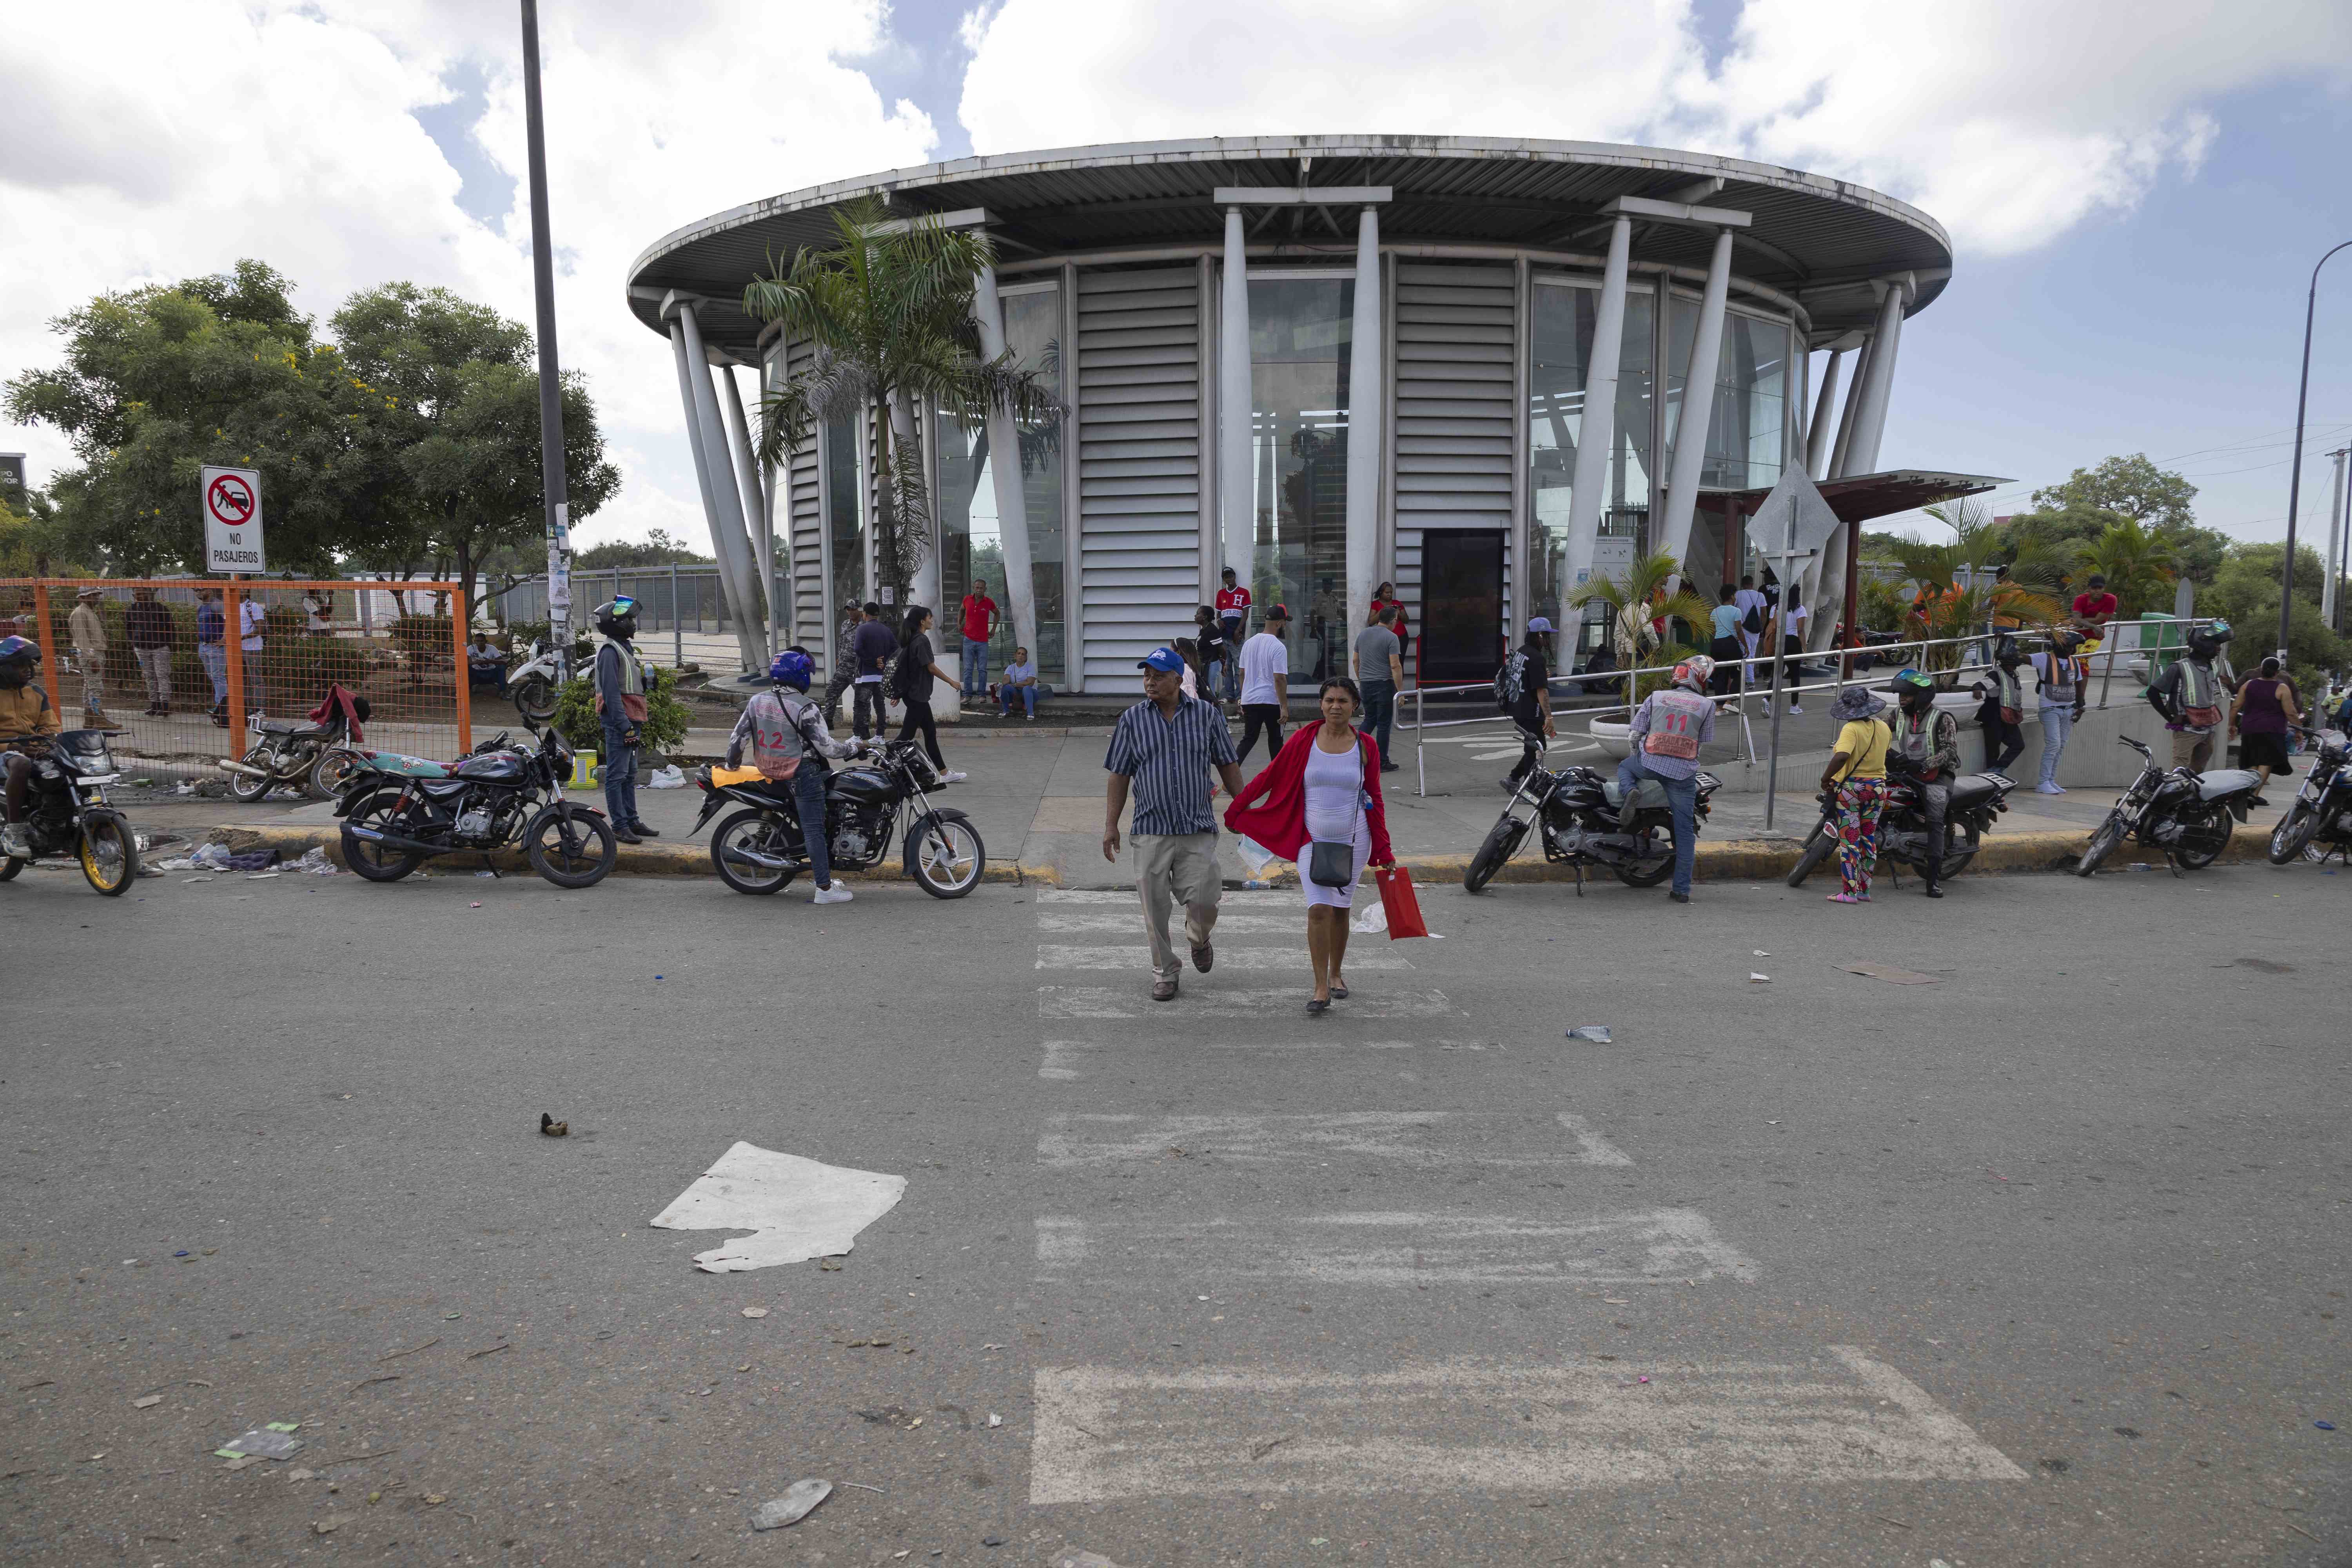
(2057,724)
(1004,695)
(1232,630)
(808,794)
(619,777)
(215,657)
(1681,798)
(1380,716)
(975,667)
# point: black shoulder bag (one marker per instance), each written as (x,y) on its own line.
(1330,863)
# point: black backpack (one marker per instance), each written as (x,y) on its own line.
(1755,621)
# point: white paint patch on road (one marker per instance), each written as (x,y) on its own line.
(1108,1433)
(797,1208)
(1067,1059)
(1653,1247)
(1130,920)
(1138,958)
(1210,1001)
(1231,899)
(1423,1139)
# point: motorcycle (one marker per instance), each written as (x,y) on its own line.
(1976,800)
(68,814)
(293,755)
(2319,822)
(396,810)
(535,685)
(2188,816)
(759,849)
(1581,810)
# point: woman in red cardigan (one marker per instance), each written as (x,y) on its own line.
(1323,785)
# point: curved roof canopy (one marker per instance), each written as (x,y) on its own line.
(1817,239)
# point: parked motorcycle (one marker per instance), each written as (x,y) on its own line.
(397,810)
(2187,816)
(1976,800)
(1579,809)
(294,753)
(535,683)
(67,811)
(759,848)
(2320,818)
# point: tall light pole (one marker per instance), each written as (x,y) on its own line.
(2295,474)
(550,380)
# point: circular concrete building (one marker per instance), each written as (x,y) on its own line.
(1453,365)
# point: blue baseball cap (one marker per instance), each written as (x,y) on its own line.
(1166,660)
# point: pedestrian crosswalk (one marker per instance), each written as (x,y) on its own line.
(1222,1145)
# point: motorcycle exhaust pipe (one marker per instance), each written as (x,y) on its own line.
(393,841)
(247,768)
(752,857)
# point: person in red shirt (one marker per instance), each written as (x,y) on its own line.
(979,626)
(1384,597)
(2094,609)
(1232,616)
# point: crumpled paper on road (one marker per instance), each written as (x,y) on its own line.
(797,1209)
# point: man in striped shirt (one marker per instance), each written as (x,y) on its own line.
(1161,750)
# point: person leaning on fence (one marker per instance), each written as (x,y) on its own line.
(621,709)
(1162,751)
(2002,714)
(148,627)
(1928,740)
(1523,688)
(1666,732)
(211,649)
(788,739)
(88,633)
(1856,776)
(2061,681)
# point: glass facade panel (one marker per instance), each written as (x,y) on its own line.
(972,544)
(1562,321)
(844,520)
(1301,333)
(1745,433)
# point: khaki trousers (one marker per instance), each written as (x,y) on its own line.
(1172,868)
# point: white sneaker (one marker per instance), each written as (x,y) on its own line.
(2048,789)
(1796,708)
(951,778)
(14,842)
(837,894)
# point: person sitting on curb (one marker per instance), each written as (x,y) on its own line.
(1020,680)
(484,665)
(1667,730)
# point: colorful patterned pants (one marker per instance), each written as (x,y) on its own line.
(1859,802)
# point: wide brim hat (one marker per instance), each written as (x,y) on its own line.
(1856,703)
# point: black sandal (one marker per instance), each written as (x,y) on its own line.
(1317,1007)
(1338,993)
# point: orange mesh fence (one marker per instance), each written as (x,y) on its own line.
(187,667)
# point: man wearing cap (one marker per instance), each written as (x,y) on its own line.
(1266,683)
(1161,750)
(1531,709)
(88,633)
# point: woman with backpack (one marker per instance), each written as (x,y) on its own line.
(1523,690)
(787,736)
(1319,803)
(911,685)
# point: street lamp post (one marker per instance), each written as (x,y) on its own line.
(551,379)
(2295,474)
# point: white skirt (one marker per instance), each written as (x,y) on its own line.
(1338,898)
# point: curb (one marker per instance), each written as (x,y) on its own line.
(634,860)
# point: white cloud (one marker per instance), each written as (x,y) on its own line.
(142,143)
(2008,119)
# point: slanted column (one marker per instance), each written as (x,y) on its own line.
(1878,383)
(1233,399)
(1596,438)
(755,506)
(722,505)
(1817,434)
(1698,407)
(1004,475)
(1843,446)
(1364,386)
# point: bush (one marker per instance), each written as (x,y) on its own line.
(666,717)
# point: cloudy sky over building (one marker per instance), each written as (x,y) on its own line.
(2136,188)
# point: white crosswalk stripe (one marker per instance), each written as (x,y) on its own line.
(1129,922)
(1232,899)
(1418,1138)
(1069,1060)
(1134,1001)
(1051,955)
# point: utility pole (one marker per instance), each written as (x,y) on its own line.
(2329,605)
(550,380)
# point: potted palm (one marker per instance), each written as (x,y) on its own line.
(1643,618)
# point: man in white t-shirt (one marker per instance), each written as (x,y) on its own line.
(1750,600)
(1791,624)
(251,619)
(1266,683)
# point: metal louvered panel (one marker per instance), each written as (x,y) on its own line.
(804,530)
(1455,340)
(1138,463)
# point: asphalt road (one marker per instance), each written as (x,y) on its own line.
(2044,1263)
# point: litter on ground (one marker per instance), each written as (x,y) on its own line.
(1889,972)
(1596,1032)
(795,1208)
(793,1506)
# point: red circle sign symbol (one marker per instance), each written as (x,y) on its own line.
(230,500)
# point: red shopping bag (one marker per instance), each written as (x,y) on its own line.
(1397,898)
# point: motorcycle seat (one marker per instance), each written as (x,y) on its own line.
(2219,781)
(1970,788)
(1648,795)
(300,729)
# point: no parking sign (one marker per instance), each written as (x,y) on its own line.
(232,508)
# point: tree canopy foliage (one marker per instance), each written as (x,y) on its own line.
(2082,508)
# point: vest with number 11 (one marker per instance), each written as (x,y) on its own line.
(1675,720)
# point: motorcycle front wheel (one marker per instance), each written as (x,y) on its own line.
(947,856)
(333,772)
(571,848)
(110,855)
(534,698)
(2211,840)
(245,786)
(1502,843)
(2103,844)
(377,862)
(1820,845)
(751,828)
(2294,831)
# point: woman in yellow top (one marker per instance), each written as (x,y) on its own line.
(1857,773)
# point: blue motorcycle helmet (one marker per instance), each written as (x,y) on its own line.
(19,657)
(793,668)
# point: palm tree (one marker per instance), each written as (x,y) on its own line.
(2137,563)
(1634,601)
(1961,595)
(888,309)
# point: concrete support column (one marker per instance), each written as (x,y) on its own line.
(1596,438)
(1234,471)
(1365,382)
(714,471)
(1817,435)
(1878,383)
(2335,522)
(1698,407)
(755,506)
(1840,452)
(1004,475)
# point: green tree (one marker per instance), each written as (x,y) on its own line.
(1637,598)
(456,440)
(1962,596)
(2246,595)
(2139,564)
(888,307)
(2084,506)
(658,548)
